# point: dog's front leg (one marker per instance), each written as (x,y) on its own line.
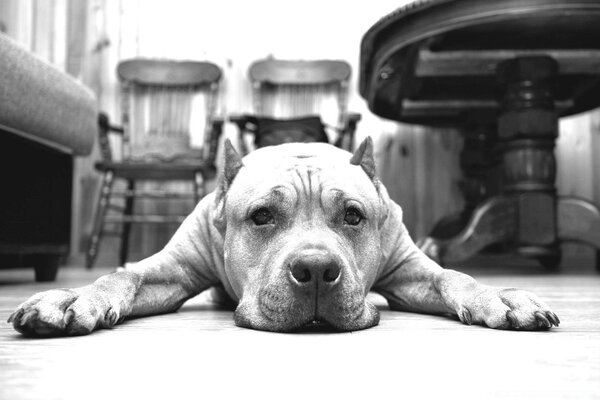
(151,287)
(158,284)
(418,284)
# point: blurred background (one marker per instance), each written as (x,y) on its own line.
(87,39)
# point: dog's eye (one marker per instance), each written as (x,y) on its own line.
(353,216)
(262,216)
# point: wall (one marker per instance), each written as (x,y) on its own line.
(87,38)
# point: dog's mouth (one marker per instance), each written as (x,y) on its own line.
(317,325)
(280,313)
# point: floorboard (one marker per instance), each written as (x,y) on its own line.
(198,351)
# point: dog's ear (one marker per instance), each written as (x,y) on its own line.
(363,156)
(233,164)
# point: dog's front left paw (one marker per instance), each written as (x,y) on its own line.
(62,312)
(507,309)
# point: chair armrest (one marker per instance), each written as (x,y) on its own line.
(104,124)
(351,122)
(218,120)
(346,138)
(237,118)
(104,128)
(240,120)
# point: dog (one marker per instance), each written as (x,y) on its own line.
(295,234)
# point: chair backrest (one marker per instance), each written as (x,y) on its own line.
(291,89)
(168,108)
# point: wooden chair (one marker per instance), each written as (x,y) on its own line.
(298,101)
(169,133)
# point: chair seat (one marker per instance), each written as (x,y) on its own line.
(158,171)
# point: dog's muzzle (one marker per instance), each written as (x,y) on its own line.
(315,287)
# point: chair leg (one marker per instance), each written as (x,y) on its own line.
(94,242)
(126,230)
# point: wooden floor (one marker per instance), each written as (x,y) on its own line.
(199,353)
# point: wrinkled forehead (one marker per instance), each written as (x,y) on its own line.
(315,166)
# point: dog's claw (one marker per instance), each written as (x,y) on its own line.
(542,321)
(556,318)
(110,318)
(27,316)
(512,319)
(466,317)
(68,317)
(553,318)
(15,315)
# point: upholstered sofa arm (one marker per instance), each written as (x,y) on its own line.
(41,103)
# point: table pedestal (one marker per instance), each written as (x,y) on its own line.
(527,215)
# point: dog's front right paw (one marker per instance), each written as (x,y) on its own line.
(62,312)
(506,309)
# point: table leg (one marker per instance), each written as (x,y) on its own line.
(494,221)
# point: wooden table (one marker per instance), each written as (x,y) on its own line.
(503,72)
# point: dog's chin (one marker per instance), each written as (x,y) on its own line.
(366,318)
(295,318)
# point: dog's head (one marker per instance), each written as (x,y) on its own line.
(301,227)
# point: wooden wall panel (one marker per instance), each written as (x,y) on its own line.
(77,36)
(595,154)
(578,173)
(17,20)
(574,157)
(43,29)
(420,168)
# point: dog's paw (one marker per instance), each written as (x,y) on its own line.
(507,309)
(62,312)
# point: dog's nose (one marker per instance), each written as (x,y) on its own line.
(315,267)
